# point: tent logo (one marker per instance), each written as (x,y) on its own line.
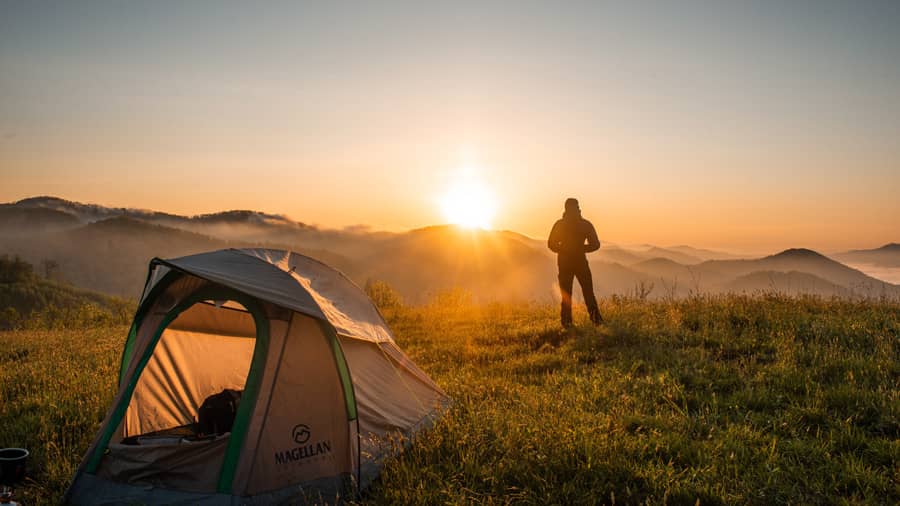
(305,449)
(300,434)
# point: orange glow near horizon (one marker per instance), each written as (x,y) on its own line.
(667,127)
(469,203)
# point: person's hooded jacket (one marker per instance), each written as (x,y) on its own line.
(573,237)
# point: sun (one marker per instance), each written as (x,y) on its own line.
(469,204)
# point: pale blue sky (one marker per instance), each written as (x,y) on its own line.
(748,125)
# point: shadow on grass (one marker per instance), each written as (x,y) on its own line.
(558,336)
(552,337)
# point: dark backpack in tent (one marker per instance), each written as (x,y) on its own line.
(216,414)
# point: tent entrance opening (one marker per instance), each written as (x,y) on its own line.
(195,376)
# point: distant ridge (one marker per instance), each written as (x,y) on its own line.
(798,253)
(619,255)
(660,261)
(130,225)
(84,212)
(107,249)
(887,256)
(247,216)
(810,262)
(33,220)
(890,247)
(95,212)
(675,256)
(703,254)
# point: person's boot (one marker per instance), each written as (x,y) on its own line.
(565,317)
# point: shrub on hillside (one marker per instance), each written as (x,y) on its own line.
(383,295)
(15,270)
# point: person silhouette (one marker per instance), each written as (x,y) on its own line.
(572,238)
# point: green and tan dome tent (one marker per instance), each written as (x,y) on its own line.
(318,392)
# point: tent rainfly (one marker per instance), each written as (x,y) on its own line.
(319,392)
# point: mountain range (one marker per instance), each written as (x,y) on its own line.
(107,250)
(885,256)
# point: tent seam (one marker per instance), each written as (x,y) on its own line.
(320,316)
(323,264)
(269,401)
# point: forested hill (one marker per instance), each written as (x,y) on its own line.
(33,299)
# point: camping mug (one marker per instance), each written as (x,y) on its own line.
(12,465)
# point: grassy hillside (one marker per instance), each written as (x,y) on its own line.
(28,299)
(725,400)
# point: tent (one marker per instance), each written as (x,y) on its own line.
(325,394)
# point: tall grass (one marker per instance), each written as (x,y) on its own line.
(721,400)
(55,388)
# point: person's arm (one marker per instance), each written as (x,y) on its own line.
(593,243)
(553,241)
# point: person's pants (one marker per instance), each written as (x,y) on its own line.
(577,269)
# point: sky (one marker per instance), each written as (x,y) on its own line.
(748,126)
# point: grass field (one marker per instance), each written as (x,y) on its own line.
(725,400)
